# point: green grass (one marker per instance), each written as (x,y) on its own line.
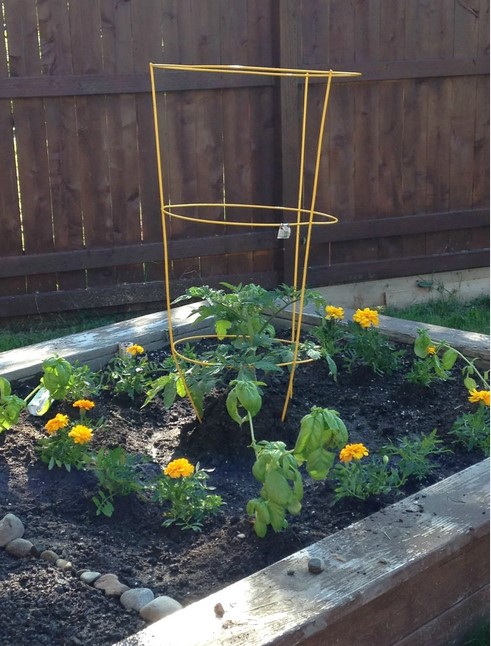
(448,312)
(35,329)
(479,636)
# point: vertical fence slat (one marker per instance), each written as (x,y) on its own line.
(85,27)
(481,170)
(30,133)
(61,134)
(463,121)
(11,239)
(147,33)
(122,132)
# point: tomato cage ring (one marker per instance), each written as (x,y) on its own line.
(200,337)
(169,210)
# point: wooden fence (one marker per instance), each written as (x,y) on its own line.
(405,166)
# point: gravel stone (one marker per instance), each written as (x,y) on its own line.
(19,548)
(137,598)
(49,556)
(111,585)
(89,577)
(159,608)
(10,527)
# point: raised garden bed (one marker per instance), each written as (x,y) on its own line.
(373,568)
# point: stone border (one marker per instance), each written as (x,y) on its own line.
(141,600)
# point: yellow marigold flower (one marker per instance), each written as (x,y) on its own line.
(180,468)
(80,434)
(135,349)
(366,317)
(333,312)
(57,422)
(431,349)
(477,396)
(84,404)
(353,452)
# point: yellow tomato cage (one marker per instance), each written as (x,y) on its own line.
(311,215)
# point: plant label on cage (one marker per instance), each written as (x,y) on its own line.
(284,232)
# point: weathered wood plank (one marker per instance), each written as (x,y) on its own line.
(95,347)
(382,553)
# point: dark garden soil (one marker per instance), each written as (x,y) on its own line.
(40,604)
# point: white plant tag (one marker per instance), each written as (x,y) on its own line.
(284,232)
(40,403)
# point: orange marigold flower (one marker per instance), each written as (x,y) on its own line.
(57,422)
(353,452)
(80,434)
(84,404)
(180,468)
(366,317)
(336,313)
(477,396)
(135,349)
(431,349)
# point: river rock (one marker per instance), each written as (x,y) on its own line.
(10,527)
(158,608)
(89,577)
(49,556)
(137,598)
(64,565)
(111,585)
(19,547)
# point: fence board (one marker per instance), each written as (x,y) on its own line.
(117,52)
(11,239)
(406,146)
(30,133)
(61,135)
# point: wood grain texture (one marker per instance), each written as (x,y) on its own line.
(389,561)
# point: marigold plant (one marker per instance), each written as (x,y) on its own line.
(84,404)
(180,468)
(366,317)
(80,434)
(333,312)
(182,488)
(56,423)
(135,349)
(478,396)
(353,452)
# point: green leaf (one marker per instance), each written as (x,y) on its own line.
(319,463)
(248,395)
(277,488)
(180,387)
(170,392)
(277,515)
(421,344)
(232,408)
(470,383)
(449,358)
(221,328)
